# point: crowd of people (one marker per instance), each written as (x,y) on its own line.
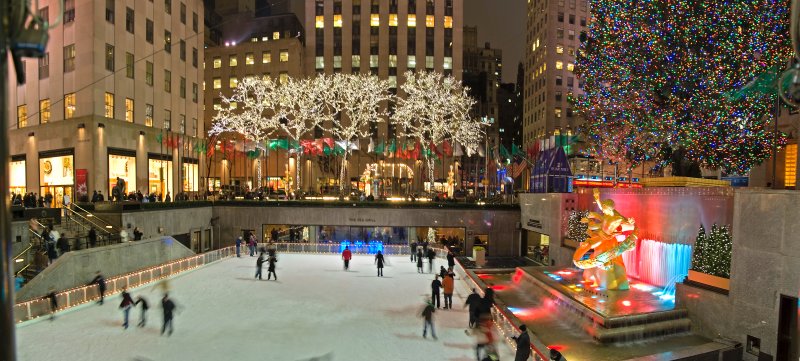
(32,200)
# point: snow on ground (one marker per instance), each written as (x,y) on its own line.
(315,310)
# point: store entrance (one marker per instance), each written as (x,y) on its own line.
(58,193)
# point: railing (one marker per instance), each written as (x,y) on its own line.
(355,248)
(32,309)
(26,250)
(106,227)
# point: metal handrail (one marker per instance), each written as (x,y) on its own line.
(89,214)
(85,227)
(90,222)
(30,245)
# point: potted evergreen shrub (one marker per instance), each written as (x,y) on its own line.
(711,259)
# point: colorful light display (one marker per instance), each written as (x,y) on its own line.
(658,74)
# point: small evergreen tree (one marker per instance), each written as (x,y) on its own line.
(699,248)
(712,252)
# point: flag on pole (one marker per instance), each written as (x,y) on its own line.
(371,146)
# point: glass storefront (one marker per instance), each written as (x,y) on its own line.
(123,167)
(190,177)
(159,175)
(16,177)
(56,177)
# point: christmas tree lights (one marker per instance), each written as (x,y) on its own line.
(713,251)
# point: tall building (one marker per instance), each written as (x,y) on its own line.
(553,29)
(119,79)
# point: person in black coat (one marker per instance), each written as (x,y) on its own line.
(92,238)
(379,262)
(436,286)
(53,304)
(259,264)
(101,285)
(451,260)
(442,272)
(63,244)
(431,257)
(523,343)
(126,305)
(52,254)
(145,307)
(271,268)
(137,234)
(168,307)
(473,301)
(419,261)
(413,251)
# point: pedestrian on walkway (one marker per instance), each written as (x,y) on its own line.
(379,262)
(239,247)
(92,238)
(259,264)
(168,307)
(251,243)
(451,260)
(431,257)
(449,285)
(271,268)
(126,305)
(419,261)
(523,342)
(427,315)
(53,303)
(436,286)
(346,256)
(101,285)
(413,251)
(473,301)
(145,307)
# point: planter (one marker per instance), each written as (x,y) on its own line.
(479,255)
(713,281)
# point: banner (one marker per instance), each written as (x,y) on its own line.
(81,188)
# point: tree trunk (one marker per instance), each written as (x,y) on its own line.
(297,170)
(431,165)
(343,174)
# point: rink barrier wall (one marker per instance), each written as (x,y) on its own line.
(35,308)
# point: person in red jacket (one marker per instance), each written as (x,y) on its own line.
(346,256)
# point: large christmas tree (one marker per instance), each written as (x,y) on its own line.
(658,74)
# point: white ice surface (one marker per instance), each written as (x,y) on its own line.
(315,309)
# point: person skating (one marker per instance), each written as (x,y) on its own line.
(419,262)
(145,307)
(427,316)
(346,256)
(451,260)
(271,268)
(379,262)
(523,342)
(473,301)
(436,286)
(239,247)
(413,251)
(259,264)
(53,303)
(449,285)
(251,244)
(168,307)
(126,305)
(101,285)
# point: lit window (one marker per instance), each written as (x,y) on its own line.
(44,111)
(356,61)
(375,20)
(373,61)
(284,56)
(448,22)
(283,78)
(129,110)
(249,59)
(337,21)
(392,19)
(22,116)
(392,81)
(276,35)
(217,83)
(266,57)
(148,115)
(233,105)
(217,105)
(570,66)
(448,62)
(320,62)
(412,20)
(429,62)
(429,21)
(412,61)
(254,40)
(558,112)
(559,49)
(392,61)
(69,105)
(233,82)
(559,65)
(233,61)
(217,62)
(337,62)
(109,105)
(320,21)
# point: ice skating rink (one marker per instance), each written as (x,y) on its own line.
(316,311)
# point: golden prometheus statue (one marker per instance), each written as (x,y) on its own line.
(610,235)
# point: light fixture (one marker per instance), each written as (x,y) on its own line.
(101,125)
(81,126)
(141,132)
(30,134)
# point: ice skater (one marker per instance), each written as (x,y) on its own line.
(451,260)
(53,303)
(259,264)
(431,257)
(346,256)
(442,272)
(271,260)
(427,316)
(169,307)
(523,343)
(379,262)
(126,305)
(239,247)
(413,251)
(436,286)
(101,285)
(448,284)
(251,244)
(145,307)
(419,262)
(473,301)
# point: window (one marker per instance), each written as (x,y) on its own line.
(392,19)
(109,57)
(570,81)
(337,21)
(448,22)
(69,58)
(571,51)
(183,13)
(129,65)
(167,119)
(194,92)
(429,62)
(571,35)
(44,111)
(22,116)
(276,35)
(572,18)
(194,126)
(148,115)
(167,81)
(148,73)
(283,77)
(182,88)
(217,62)
(217,103)
(559,49)
(249,59)
(373,61)
(284,55)
(356,61)
(216,83)
(183,50)
(560,33)
(194,22)
(559,65)
(319,62)
(44,66)
(129,20)
(194,57)
(129,110)
(569,112)
(69,105)
(148,31)
(69,11)
(168,6)
(233,82)
(412,20)
(560,17)
(558,112)
(167,41)
(233,61)
(412,61)
(448,62)
(182,125)
(266,57)
(374,20)
(109,11)
(429,21)
(44,13)
(583,21)
(570,66)
(108,100)
(559,80)
(337,62)
(319,21)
